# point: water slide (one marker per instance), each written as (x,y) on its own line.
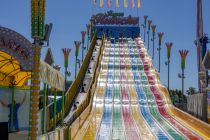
(130,103)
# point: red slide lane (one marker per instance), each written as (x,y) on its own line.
(159,102)
(131,133)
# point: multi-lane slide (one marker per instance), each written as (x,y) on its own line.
(130,103)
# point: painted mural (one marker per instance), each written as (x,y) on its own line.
(20,111)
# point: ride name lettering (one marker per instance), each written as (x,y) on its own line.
(17,48)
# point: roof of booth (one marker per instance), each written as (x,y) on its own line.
(10,71)
(12,74)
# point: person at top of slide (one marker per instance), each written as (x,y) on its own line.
(15,112)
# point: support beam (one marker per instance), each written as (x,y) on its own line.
(34,106)
(199,34)
(44,110)
(12,109)
(55,109)
(63,103)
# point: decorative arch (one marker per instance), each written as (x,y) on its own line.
(17,46)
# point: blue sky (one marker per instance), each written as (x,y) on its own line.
(177,19)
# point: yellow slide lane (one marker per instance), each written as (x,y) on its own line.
(96,114)
(89,128)
(95,119)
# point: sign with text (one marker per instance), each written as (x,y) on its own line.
(111,18)
(17,46)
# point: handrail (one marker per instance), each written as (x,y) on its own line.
(86,103)
(73,90)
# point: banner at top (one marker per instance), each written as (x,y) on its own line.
(124,3)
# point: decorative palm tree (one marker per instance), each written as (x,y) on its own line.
(145,26)
(183,54)
(153,40)
(66,52)
(88,34)
(77,45)
(83,43)
(160,37)
(168,46)
(148,33)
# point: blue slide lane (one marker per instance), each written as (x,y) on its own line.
(104,132)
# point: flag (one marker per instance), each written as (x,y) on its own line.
(139,3)
(109,3)
(101,3)
(125,3)
(117,3)
(133,3)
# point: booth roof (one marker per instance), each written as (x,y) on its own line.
(11,73)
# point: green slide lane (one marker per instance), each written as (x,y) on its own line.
(116,94)
(118,131)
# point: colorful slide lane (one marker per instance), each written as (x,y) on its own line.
(130,104)
(104,133)
(194,128)
(163,112)
(143,103)
(93,120)
(131,131)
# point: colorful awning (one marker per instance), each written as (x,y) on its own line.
(11,73)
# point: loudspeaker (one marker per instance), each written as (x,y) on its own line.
(3,130)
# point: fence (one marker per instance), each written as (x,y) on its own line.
(197,106)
